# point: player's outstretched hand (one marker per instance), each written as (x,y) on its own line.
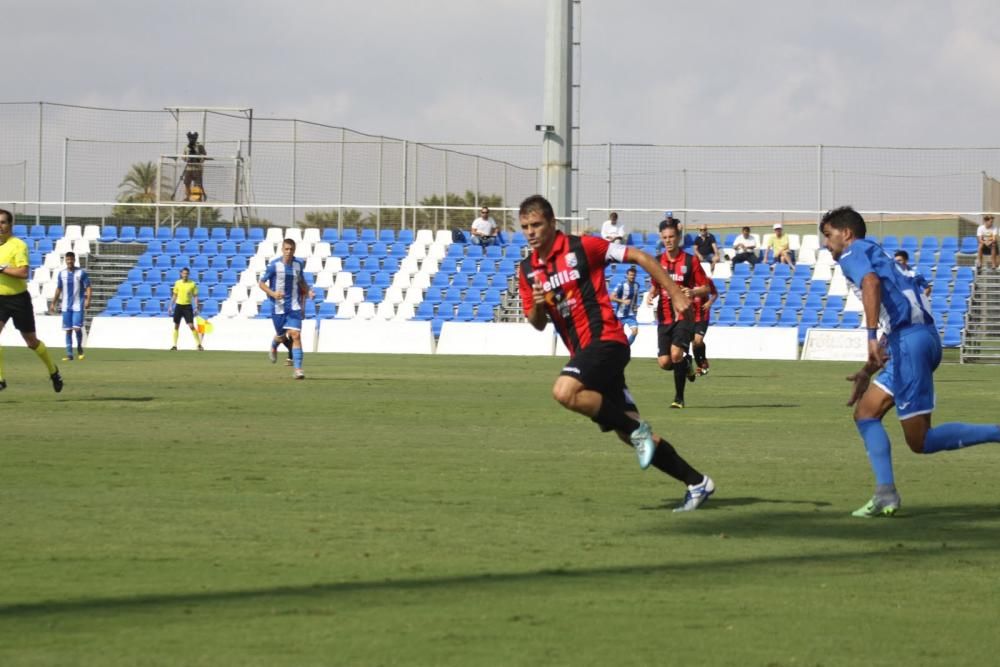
(859,385)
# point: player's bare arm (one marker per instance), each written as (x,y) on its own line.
(871,300)
(537,315)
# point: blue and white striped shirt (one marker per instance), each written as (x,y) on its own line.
(285,278)
(73,285)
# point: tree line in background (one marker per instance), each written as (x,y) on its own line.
(139,186)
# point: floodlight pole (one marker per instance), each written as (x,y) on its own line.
(557,167)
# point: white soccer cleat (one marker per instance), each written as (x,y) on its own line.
(696,495)
(272,355)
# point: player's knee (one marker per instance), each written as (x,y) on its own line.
(563,395)
(665,363)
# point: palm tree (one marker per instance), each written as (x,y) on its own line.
(139,184)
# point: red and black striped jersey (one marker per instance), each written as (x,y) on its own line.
(686,271)
(576,294)
(702,314)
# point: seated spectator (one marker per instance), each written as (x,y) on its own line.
(778,249)
(484,229)
(903,259)
(613,231)
(987,237)
(745,247)
(706,246)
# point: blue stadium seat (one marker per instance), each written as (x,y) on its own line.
(375,293)
(362,279)
(113,307)
(405,236)
(757,283)
(789,318)
(199,234)
(456,250)
(782,272)
(227,248)
(340,249)
(465,312)
(835,302)
(969,245)
(768,318)
(145,261)
(352,263)
(830,318)
(229,277)
(939,302)
(453,295)
(182,234)
(200,262)
(109,234)
(246,248)
(220,262)
(434,294)
(850,320)
(266,309)
(798,285)
(425,311)
(219,234)
(163,261)
(727,317)
(480,281)
(152,308)
(890,243)
(448,265)
(773,302)
(952,336)
(387,236)
(256,234)
(219,291)
(172,247)
(810,317)
(441,279)
(133,307)
(126,234)
(136,275)
(162,291)
(371,263)
(965,274)
(164,233)
(145,234)
(191,248)
(390,264)
(21,231)
(753,301)
(237,234)
(209,308)
(368,235)
(210,248)
(397,250)
(747,318)
(350,234)
(44,246)
(36,232)
(327,310)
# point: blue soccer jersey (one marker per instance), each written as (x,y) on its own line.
(285,278)
(73,285)
(903,300)
(627,290)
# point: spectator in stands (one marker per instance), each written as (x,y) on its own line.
(778,249)
(613,231)
(987,236)
(285,284)
(907,357)
(627,296)
(562,281)
(706,246)
(903,259)
(194,157)
(745,246)
(15,301)
(72,296)
(484,230)
(184,305)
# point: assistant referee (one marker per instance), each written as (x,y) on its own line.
(15,302)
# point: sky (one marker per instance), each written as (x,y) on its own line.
(886,73)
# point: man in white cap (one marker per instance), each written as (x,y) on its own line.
(777,247)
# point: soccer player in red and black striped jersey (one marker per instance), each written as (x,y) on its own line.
(562,280)
(702,313)
(676,317)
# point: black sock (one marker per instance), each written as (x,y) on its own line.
(613,416)
(699,354)
(669,461)
(680,377)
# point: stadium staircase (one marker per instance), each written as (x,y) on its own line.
(108,265)
(981,343)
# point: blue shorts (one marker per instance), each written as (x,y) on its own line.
(292,320)
(908,376)
(629,321)
(72,319)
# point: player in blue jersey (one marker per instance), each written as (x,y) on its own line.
(626,299)
(907,354)
(902,258)
(72,296)
(285,283)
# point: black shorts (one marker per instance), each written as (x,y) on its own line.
(699,328)
(185,313)
(18,307)
(678,333)
(601,367)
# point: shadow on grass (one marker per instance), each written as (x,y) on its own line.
(720,503)
(125,399)
(915,539)
(749,406)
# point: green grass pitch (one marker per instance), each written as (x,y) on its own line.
(205,509)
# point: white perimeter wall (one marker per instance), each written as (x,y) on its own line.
(411,337)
